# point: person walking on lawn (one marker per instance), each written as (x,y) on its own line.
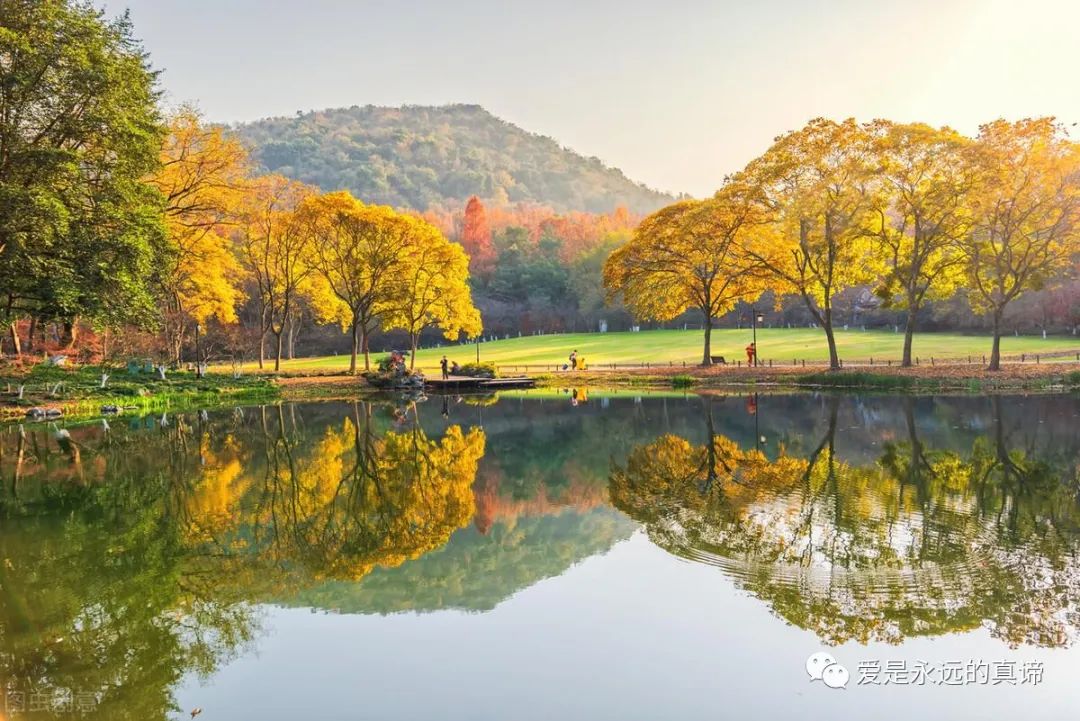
(573,360)
(445,364)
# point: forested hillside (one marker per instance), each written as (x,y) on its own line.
(420,157)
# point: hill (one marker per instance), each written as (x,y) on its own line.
(418,156)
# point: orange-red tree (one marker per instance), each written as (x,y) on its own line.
(476,239)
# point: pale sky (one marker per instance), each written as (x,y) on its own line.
(676,94)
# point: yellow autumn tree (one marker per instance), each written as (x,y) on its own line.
(689,255)
(203,177)
(924,182)
(1026,208)
(359,253)
(435,288)
(816,184)
(360,500)
(275,248)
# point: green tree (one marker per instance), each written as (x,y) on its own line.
(79,130)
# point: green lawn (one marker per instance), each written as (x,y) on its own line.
(663,346)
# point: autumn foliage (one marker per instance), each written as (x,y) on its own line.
(915,212)
(476,238)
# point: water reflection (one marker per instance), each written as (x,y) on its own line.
(135,554)
(915,541)
(132,558)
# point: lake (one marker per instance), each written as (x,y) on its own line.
(547,555)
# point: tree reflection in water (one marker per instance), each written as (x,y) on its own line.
(118,589)
(920,542)
(135,556)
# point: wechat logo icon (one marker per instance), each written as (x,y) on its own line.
(823,667)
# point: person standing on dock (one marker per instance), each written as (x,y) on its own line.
(573,360)
(445,368)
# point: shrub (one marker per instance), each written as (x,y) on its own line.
(477,370)
(858,380)
(683,381)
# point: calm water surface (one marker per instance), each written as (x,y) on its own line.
(538,557)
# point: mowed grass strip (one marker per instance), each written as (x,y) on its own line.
(782,345)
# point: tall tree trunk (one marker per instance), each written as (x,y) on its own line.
(995,351)
(824,318)
(916,459)
(706,358)
(834,357)
(30,334)
(262,349)
(71,333)
(909,334)
(710,445)
(15,343)
(296,322)
(20,458)
(352,348)
(279,335)
(177,341)
(413,340)
(198,353)
(364,337)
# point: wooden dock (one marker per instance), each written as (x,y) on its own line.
(456,383)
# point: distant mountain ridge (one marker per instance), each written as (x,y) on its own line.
(422,156)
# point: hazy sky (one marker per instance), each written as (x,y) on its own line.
(675,93)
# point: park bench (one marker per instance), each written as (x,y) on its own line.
(718,360)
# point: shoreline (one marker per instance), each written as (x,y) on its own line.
(1044,377)
(182,391)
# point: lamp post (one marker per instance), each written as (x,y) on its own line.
(755,318)
(757,431)
(198,354)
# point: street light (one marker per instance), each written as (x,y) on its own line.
(198,354)
(758,438)
(755,318)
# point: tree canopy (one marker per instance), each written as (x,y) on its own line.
(691,254)
(79,129)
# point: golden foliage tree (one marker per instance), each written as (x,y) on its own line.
(435,290)
(1026,210)
(925,177)
(275,248)
(203,177)
(360,499)
(359,252)
(690,254)
(816,184)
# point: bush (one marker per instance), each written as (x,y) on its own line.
(129,391)
(477,370)
(858,380)
(682,381)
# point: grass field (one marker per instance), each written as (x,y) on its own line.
(663,346)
